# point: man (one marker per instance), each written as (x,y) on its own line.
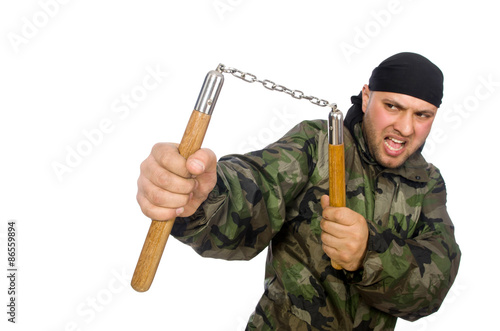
(394,240)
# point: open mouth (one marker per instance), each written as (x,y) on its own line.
(394,144)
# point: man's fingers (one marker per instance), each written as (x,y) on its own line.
(334,237)
(157,213)
(166,199)
(203,165)
(201,161)
(340,215)
(330,213)
(165,179)
(336,256)
(344,235)
(325,201)
(335,229)
(170,186)
(167,156)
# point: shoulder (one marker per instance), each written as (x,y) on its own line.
(307,135)
(309,128)
(435,177)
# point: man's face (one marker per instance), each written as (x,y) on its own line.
(395,125)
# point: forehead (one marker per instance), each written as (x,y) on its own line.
(403,100)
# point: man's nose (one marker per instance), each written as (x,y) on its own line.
(404,123)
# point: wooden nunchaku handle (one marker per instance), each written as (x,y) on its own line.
(337,175)
(159,231)
(336,165)
(192,139)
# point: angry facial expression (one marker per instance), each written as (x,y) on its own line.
(395,125)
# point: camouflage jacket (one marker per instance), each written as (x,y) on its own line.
(271,199)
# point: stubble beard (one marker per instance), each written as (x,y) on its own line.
(376,149)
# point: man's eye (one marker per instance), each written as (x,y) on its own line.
(390,106)
(423,115)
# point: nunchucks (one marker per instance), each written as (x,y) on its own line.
(192,139)
(336,166)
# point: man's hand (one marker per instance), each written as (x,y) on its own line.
(171,186)
(344,236)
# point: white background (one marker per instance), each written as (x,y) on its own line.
(66,66)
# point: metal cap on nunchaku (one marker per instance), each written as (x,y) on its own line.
(192,139)
(210,91)
(336,161)
(335,126)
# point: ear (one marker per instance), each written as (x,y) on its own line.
(366,97)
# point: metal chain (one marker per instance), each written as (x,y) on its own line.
(270,85)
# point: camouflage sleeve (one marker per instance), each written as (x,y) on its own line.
(247,207)
(409,278)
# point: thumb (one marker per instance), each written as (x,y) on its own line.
(201,161)
(325,201)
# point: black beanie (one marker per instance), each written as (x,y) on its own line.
(405,73)
(411,74)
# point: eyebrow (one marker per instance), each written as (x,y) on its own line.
(394,103)
(400,106)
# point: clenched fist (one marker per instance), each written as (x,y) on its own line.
(171,186)
(344,236)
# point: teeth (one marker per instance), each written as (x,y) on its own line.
(401,144)
(397,141)
(392,148)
